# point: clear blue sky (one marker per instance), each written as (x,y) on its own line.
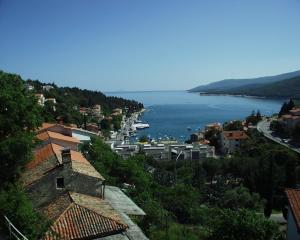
(148,45)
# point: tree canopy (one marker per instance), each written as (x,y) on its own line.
(19,116)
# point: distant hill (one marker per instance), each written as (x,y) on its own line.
(289,88)
(229,85)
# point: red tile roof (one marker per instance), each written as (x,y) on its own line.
(78,216)
(49,157)
(48,134)
(295,110)
(46,126)
(293,196)
(232,135)
(44,159)
(289,116)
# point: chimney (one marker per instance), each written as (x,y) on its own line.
(66,156)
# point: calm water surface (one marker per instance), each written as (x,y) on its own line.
(170,113)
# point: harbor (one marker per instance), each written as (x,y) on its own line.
(129,126)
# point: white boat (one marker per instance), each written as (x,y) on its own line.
(141,125)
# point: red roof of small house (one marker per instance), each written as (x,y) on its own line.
(45,126)
(289,116)
(48,134)
(293,196)
(49,157)
(295,110)
(54,127)
(235,135)
(79,216)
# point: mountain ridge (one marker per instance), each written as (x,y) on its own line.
(230,84)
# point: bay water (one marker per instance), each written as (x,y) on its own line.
(179,113)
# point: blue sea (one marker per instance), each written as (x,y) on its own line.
(171,113)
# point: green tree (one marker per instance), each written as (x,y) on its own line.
(258,115)
(233,126)
(105,124)
(240,197)
(211,167)
(212,136)
(290,104)
(19,116)
(286,107)
(18,208)
(225,224)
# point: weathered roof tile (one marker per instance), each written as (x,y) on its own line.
(81,217)
(293,196)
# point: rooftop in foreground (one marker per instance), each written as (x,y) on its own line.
(78,216)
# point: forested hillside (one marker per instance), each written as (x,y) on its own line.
(84,97)
(287,88)
(230,84)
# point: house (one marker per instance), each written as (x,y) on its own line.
(96,110)
(29,87)
(53,101)
(47,87)
(291,120)
(40,98)
(92,127)
(190,152)
(64,186)
(83,135)
(79,216)
(196,137)
(293,219)
(169,151)
(55,127)
(213,126)
(83,110)
(55,170)
(231,141)
(126,150)
(60,139)
(117,111)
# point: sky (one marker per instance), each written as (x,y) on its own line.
(132,45)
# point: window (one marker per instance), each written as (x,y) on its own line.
(60,183)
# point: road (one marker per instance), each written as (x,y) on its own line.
(264,127)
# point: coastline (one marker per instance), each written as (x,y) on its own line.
(237,95)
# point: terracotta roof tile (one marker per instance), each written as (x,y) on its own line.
(45,126)
(44,159)
(48,135)
(79,163)
(289,116)
(231,135)
(295,110)
(78,216)
(293,196)
(48,157)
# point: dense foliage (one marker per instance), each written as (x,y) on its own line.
(18,208)
(254,118)
(183,203)
(286,107)
(19,116)
(288,88)
(265,168)
(225,224)
(233,126)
